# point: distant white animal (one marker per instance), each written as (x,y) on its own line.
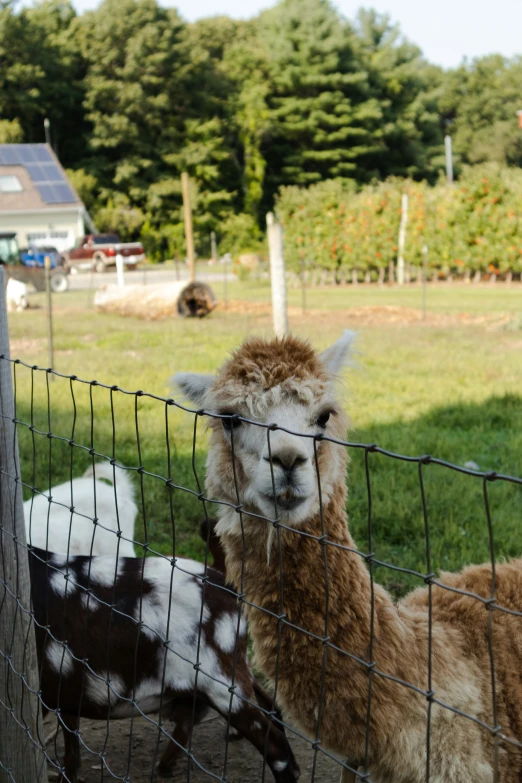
(16,295)
(52,525)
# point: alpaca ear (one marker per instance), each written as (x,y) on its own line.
(193,385)
(338,354)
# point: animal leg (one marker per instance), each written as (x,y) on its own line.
(71,760)
(347,776)
(184,714)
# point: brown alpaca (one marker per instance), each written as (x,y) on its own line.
(322,668)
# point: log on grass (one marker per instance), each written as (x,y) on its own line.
(152,302)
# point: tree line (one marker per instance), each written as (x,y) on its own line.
(297,96)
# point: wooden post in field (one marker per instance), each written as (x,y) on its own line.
(21,755)
(119,268)
(50,345)
(402,238)
(277,275)
(189,236)
(303,282)
(424,278)
(449,159)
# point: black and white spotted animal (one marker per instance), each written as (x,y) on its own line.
(117,636)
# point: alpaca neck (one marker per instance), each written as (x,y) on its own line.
(305,579)
(326,590)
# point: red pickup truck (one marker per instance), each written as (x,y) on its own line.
(99,251)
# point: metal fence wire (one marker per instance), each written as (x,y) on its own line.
(160,638)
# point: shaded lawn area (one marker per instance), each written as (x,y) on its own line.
(452,392)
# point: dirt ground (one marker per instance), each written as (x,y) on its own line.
(244,763)
(371,315)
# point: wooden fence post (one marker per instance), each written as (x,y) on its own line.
(187,210)
(277,275)
(49,299)
(21,755)
(402,238)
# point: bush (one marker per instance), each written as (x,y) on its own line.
(474,225)
(240,234)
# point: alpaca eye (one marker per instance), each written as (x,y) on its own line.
(323,419)
(230,424)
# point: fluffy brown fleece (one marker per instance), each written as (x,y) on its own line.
(320,652)
(268,364)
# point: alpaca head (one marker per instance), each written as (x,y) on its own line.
(270,471)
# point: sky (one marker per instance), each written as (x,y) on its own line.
(446,30)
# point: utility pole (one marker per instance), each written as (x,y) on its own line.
(449,159)
(187,211)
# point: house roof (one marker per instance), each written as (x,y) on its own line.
(45,185)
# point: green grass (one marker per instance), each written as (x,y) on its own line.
(454,392)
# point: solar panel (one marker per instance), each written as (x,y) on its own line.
(8,156)
(47,193)
(35,172)
(64,193)
(52,173)
(41,167)
(41,153)
(26,154)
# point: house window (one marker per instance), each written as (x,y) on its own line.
(10,184)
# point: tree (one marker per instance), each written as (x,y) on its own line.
(11,132)
(320,106)
(478,103)
(41,75)
(406,89)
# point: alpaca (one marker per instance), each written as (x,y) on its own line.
(308,591)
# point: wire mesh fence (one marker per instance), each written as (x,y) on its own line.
(128,633)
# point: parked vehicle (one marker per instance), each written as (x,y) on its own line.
(17,269)
(99,251)
(35,256)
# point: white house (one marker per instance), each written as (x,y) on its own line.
(37,201)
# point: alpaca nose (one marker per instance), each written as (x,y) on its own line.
(287,460)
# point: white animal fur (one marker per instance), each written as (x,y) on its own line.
(16,295)
(40,514)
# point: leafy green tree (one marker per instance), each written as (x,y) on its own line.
(11,132)
(41,75)
(406,89)
(478,103)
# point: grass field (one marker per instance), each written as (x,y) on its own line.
(450,387)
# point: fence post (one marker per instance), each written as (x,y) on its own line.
(303,282)
(424,278)
(21,755)
(402,238)
(449,159)
(50,345)
(277,275)
(189,236)
(119,268)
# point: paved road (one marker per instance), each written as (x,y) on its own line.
(83,280)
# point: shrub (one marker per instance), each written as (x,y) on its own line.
(474,225)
